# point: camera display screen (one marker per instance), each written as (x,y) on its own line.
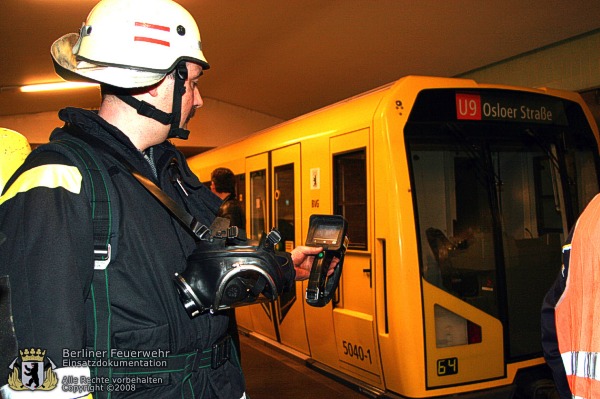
(326,234)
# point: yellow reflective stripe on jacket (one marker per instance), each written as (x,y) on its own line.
(50,176)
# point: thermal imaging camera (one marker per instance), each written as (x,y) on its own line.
(328,232)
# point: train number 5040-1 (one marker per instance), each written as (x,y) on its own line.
(357,351)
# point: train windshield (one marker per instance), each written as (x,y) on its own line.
(499,177)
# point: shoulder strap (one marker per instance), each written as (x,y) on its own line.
(99,188)
(98,185)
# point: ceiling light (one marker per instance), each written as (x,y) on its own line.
(55,86)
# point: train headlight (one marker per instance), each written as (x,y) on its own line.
(453,330)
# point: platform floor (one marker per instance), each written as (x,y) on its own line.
(272,374)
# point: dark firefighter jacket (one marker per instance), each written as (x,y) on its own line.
(48,255)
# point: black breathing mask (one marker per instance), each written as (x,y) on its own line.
(221,274)
(224,271)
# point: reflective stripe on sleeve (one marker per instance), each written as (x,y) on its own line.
(582,364)
(50,176)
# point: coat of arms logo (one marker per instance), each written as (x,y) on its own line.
(33,371)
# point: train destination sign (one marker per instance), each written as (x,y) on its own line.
(504,107)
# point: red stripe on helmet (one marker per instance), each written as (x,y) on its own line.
(152,26)
(151,40)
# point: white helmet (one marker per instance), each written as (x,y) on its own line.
(129,43)
(14,148)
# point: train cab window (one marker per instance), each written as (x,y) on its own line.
(494,201)
(258,205)
(547,207)
(350,195)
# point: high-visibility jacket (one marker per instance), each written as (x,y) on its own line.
(578,310)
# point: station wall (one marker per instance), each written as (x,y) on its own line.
(569,65)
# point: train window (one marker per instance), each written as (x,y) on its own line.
(258,196)
(284,205)
(350,194)
(283,179)
(546,187)
(240,189)
(459,251)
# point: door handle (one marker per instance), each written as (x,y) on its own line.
(370,271)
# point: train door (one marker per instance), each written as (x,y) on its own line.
(286,206)
(273,187)
(354,308)
(258,318)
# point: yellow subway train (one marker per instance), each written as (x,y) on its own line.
(458,196)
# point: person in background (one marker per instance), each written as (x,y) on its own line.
(570,333)
(147,57)
(222,183)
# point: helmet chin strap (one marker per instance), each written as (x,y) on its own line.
(181,75)
(150,111)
